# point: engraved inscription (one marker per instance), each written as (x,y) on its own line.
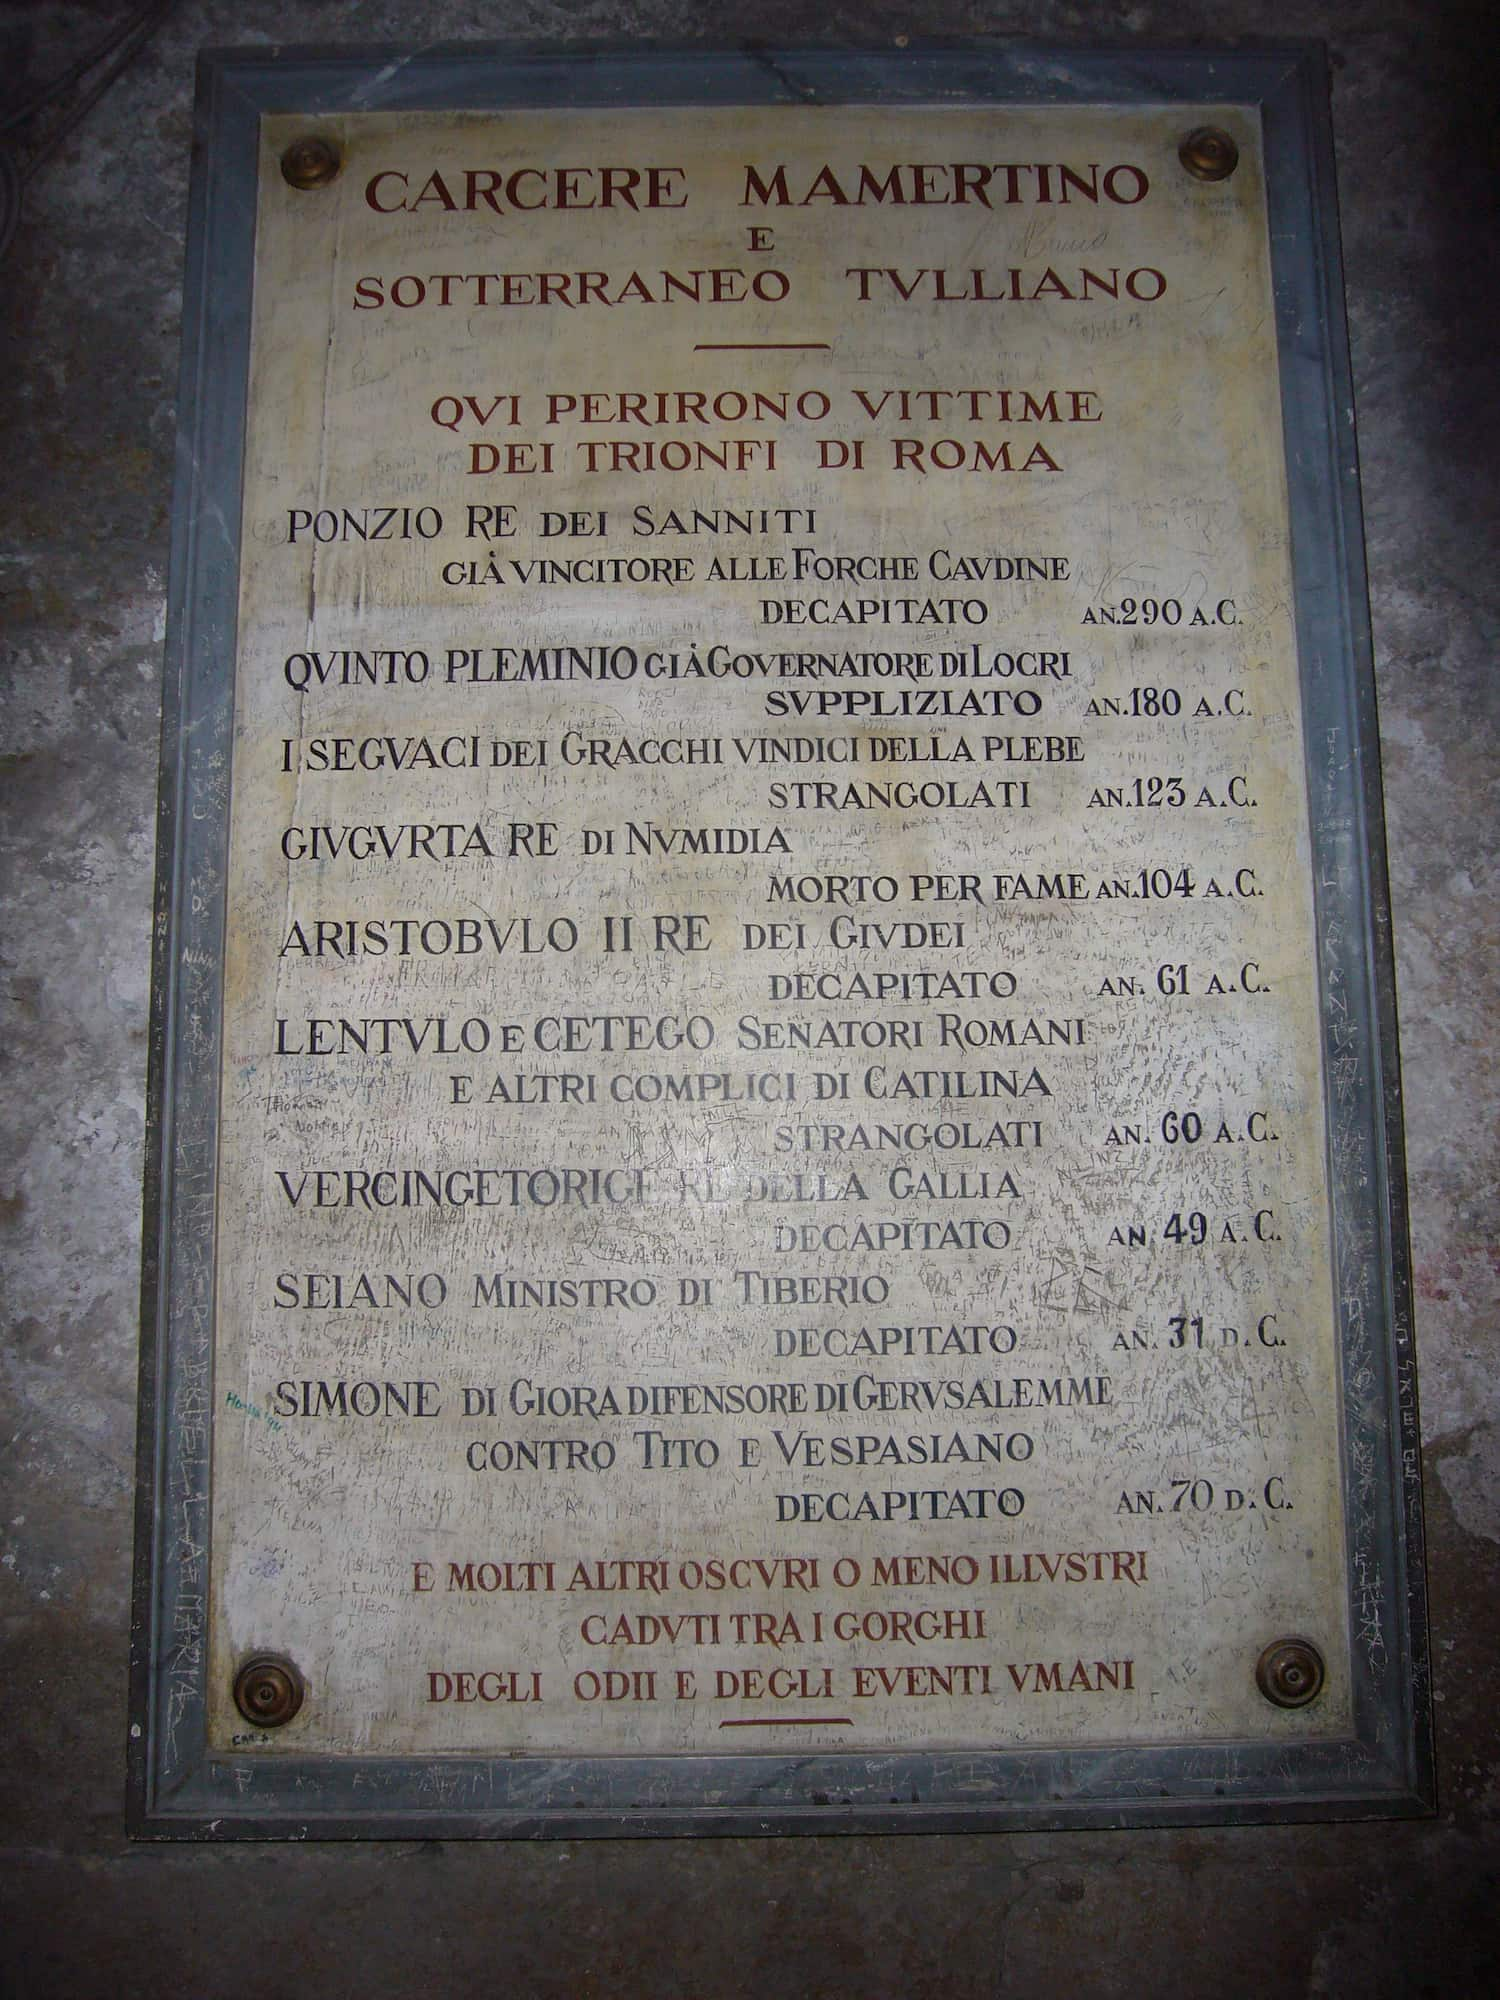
(772,1177)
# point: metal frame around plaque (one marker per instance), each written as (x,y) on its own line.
(178,1788)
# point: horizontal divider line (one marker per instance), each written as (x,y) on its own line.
(790,1722)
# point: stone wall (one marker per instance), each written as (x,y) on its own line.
(90,298)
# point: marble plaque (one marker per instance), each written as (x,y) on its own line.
(775,1068)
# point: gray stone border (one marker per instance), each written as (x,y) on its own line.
(177,1789)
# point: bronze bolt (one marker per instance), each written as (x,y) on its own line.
(1209,154)
(1290,1673)
(311,162)
(268,1690)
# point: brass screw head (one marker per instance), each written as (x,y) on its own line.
(1209,154)
(1289,1673)
(268,1690)
(311,162)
